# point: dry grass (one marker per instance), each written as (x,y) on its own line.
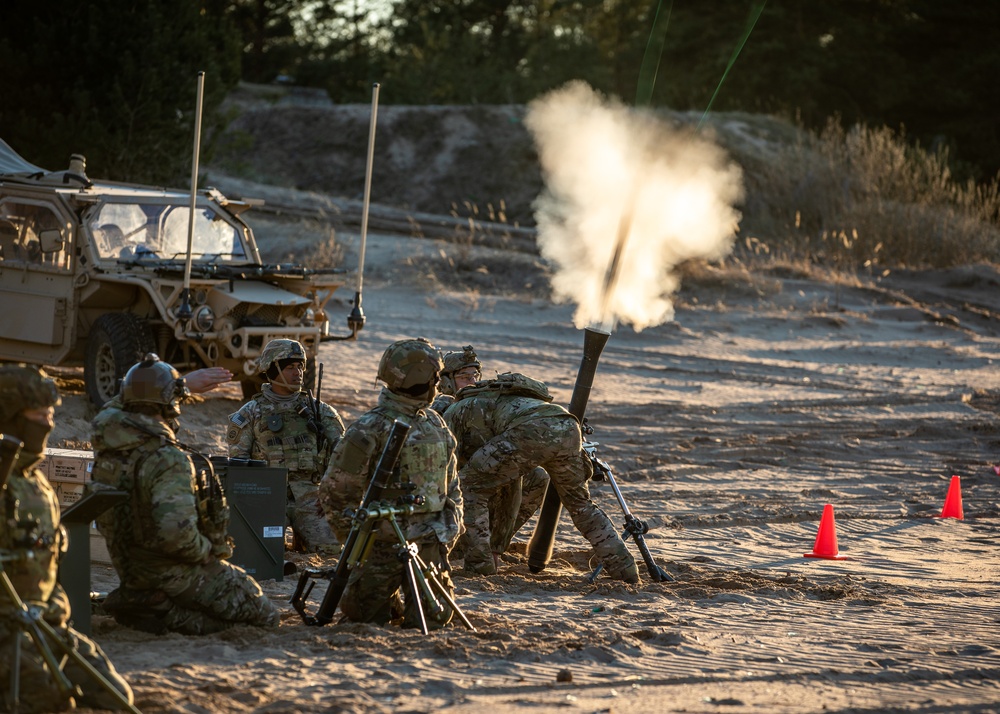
(309,243)
(864,200)
(484,271)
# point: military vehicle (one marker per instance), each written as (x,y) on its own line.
(98,273)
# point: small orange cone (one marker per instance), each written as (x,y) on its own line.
(826,538)
(953,501)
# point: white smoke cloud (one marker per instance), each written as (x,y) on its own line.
(612,171)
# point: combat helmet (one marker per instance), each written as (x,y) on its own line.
(23,387)
(155,383)
(455,361)
(277,350)
(411,367)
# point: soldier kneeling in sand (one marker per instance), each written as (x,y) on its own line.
(168,542)
(425,476)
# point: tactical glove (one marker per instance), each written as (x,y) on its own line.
(452,523)
(222,547)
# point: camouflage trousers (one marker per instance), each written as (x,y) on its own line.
(191,599)
(305,515)
(553,443)
(532,494)
(38,691)
(378,590)
(510,508)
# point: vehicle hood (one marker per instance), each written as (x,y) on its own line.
(257,292)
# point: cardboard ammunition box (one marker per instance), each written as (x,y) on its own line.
(68,470)
(68,492)
(67,465)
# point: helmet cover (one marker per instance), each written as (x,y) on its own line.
(277,350)
(24,386)
(407,364)
(454,362)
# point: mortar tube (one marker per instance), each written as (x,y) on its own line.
(543,539)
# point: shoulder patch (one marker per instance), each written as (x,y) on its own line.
(233,435)
(239,419)
(354,451)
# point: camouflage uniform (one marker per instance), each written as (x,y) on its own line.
(513,504)
(280,430)
(168,553)
(35,551)
(426,468)
(502,437)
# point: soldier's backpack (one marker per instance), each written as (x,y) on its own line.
(513,383)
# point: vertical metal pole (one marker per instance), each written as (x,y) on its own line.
(356,320)
(184,309)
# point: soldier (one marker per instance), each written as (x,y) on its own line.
(461,369)
(31,542)
(503,436)
(516,502)
(426,472)
(168,542)
(279,426)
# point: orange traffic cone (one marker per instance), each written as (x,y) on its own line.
(826,538)
(953,501)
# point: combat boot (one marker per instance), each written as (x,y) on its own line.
(481,567)
(622,566)
(143,610)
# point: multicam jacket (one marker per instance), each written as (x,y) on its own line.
(159,524)
(426,469)
(30,499)
(476,420)
(276,429)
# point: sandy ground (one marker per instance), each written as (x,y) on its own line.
(729,429)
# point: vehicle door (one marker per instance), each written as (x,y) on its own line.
(37,292)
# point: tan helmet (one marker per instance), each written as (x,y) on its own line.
(153,382)
(455,361)
(24,386)
(277,350)
(411,367)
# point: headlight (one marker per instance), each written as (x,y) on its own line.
(204,318)
(309,316)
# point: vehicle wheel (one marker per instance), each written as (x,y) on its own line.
(117,341)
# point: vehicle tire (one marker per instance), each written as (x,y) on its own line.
(117,340)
